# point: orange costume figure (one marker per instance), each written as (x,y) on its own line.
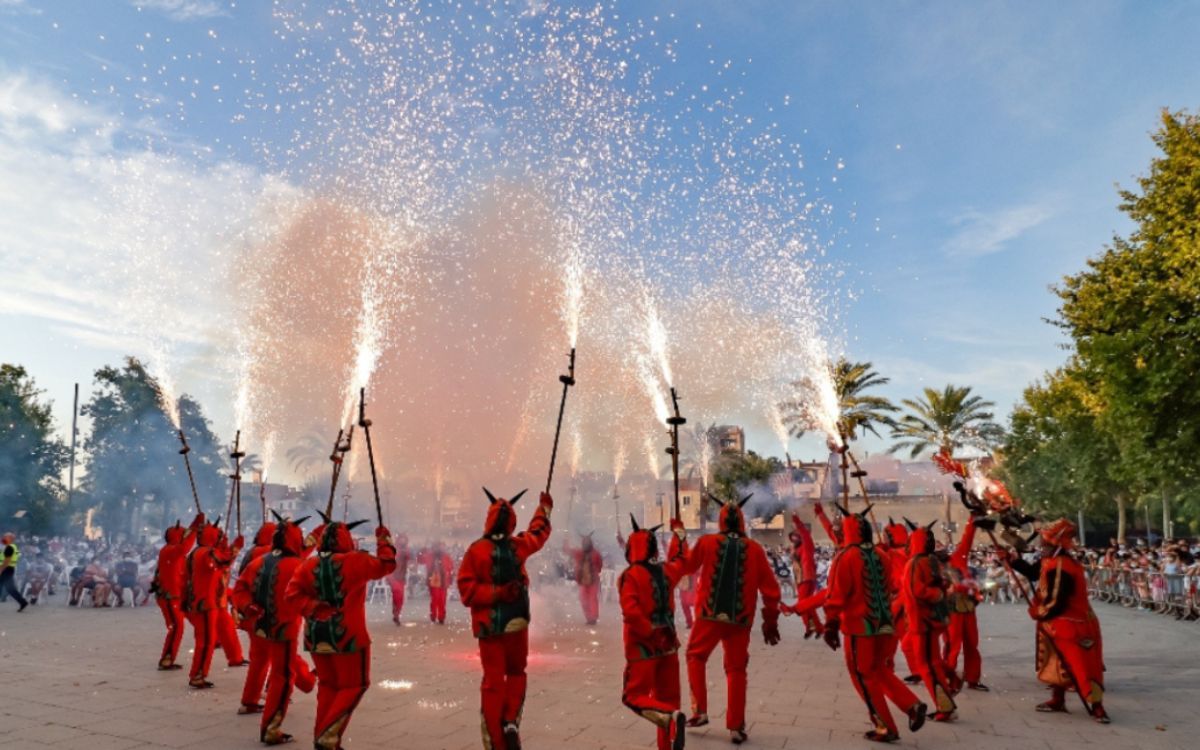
(927,614)
(963,635)
(1069,647)
(651,683)
(493,583)
(398,580)
(260,597)
(256,674)
(168,586)
(858,606)
(439,571)
(330,590)
(204,595)
(586,564)
(733,572)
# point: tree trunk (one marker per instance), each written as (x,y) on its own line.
(1166,515)
(1082,533)
(1120,518)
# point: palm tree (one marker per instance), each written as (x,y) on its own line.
(251,463)
(308,452)
(858,410)
(945,421)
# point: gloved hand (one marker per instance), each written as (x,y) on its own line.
(383,536)
(252,612)
(787,609)
(547,501)
(323,612)
(678,530)
(239,542)
(831,634)
(509,592)
(818,508)
(662,639)
(770,631)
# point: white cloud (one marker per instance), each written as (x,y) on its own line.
(183,10)
(17,7)
(983,233)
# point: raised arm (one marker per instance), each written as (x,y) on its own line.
(535,536)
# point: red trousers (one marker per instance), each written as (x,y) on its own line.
(204,628)
(227,634)
(964,637)
(437,604)
(1084,666)
(342,680)
(925,658)
(256,674)
(502,691)
(288,669)
(868,661)
(173,616)
(735,642)
(651,690)
(589,599)
(687,602)
(397,596)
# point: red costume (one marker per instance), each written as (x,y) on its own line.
(256,675)
(927,612)
(651,683)
(687,584)
(1069,647)
(398,579)
(804,571)
(963,634)
(168,586)
(260,597)
(204,596)
(330,591)
(439,571)
(492,581)
(733,571)
(859,606)
(586,564)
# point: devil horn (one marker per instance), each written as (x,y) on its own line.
(891,521)
(842,510)
(744,500)
(633,522)
(491,497)
(278,517)
(866,511)
(217,522)
(300,520)
(655,529)
(517,497)
(930,524)
(177,523)
(356,523)
(324,518)
(911,526)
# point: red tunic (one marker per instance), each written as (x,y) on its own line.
(338,581)
(647,591)
(924,594)
(439,568)
(206,570)
(263,585)
(857,596)
(494,561)
(586,565)
(733,571)
(169,573)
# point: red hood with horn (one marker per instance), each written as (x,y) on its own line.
(501,515)
(642,545)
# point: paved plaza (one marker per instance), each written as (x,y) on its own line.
(86,679)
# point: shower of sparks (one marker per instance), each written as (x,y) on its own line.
(775,420)
(267,455)
(620,459)
(404,685)
(572,295)
(652,459)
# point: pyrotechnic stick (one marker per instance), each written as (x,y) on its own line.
(858,474)
(365,423)
(675,421)
(184,451)
(235,486)
(262,497)
(567,380)
(338,456)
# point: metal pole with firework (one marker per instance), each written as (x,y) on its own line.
(184,451)
(338,457)
(567,380)
(675,421)
(235,487)
(365,423)
(262,498)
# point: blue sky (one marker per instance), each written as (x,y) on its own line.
(982,144)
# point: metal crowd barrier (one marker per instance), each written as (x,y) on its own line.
(1175,594)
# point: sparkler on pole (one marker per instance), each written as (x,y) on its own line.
(262,497)
(567,380)
(337,456)
(365,423)
(235,487)
(675,421)
(184,451)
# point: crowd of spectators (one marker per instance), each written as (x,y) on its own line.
(88,572)
(1163,579)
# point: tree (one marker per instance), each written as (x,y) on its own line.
(859,411)
(133,457)
(31,459)
(735,474)
(310,451)
(1134,317)
(946,420)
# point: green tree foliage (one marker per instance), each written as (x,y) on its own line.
(134,466)
(31,459)
(1134,317)
(736,474)
(860,411)
(946,420)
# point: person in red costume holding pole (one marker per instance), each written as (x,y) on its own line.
(439,571)
(330,590)
(965,595)
(733,571)
(586,563)
(204,588)
(894,546)
(651,684)
(804,571)
(398,579)
(1069,646)
(227,627)
(927,615)
(168,586)
(493,583)
(259,595)
(687,584)
(256,675)
(833,529)
(858,605)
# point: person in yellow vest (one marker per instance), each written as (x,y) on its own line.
(9,557)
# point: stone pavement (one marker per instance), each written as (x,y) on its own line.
(86,679)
